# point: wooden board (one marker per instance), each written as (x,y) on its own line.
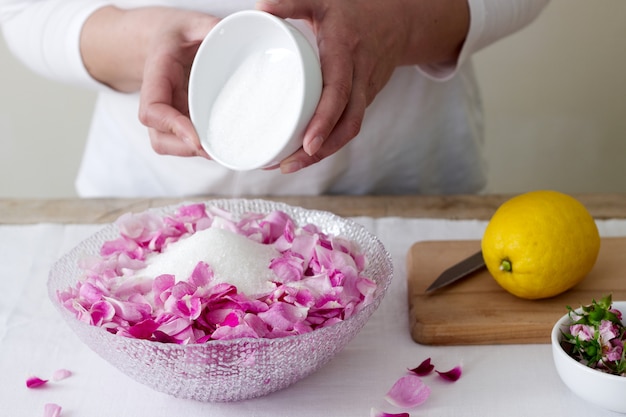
(476,310)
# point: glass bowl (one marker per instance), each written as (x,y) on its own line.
(232,370)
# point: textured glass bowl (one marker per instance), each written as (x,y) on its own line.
(235,369)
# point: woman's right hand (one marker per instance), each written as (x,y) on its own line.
(150,50)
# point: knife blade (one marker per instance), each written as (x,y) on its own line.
(458,271)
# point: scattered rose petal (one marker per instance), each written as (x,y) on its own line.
(452,375)
(409,391)
(51,410)
(376,413)
(34,382)
(60,374)
(423,368)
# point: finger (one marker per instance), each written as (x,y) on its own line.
(199,27)
(345,130)
(338,70)
(157,113)
(164,118)
(168,144)
(159,89)
(336,90)
(347,127)
(339,138)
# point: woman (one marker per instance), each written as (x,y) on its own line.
(399,113)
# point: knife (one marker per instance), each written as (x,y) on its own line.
(460,270)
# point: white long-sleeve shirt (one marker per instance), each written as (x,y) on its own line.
(422,134)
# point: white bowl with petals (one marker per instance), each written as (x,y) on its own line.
(237,369)
(602,389)
(254,85)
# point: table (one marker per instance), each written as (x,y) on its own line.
(511,380)
(19,211)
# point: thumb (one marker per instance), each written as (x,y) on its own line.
(198,27)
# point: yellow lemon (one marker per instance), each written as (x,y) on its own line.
(540,244)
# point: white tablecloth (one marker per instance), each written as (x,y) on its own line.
(511,380)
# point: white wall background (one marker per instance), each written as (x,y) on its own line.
(555,101)
(554,95)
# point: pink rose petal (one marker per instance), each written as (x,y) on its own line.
(287,268)
(408,392)
(452,375)
(318,281)
(101,312)
(377,413)
(283,316)
(35,382)
(60,374)
(51,410)
(144,329)
(423,368)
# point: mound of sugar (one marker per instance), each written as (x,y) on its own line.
(234,258)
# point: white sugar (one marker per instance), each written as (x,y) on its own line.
(257,109)
(234,258)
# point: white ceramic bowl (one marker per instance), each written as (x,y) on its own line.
(602,389)
(220,370)
(254,85)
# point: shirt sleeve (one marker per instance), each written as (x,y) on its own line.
(45,36)
(490,20)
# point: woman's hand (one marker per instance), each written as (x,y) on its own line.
(361,42)
(150,50)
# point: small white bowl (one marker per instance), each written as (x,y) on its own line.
(254,85)
(602,389)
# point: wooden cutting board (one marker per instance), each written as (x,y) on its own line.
(476,310)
